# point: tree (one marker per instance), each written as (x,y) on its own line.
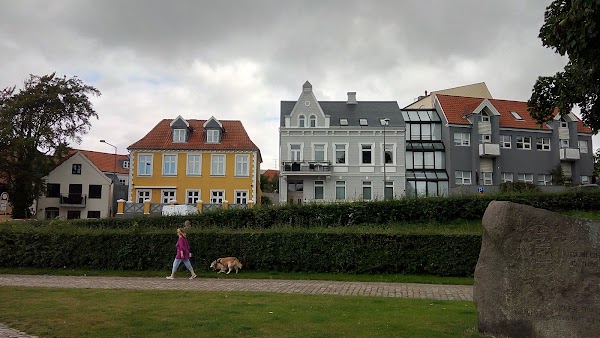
(571,28)
(558,175)
(36,124)
(269,184)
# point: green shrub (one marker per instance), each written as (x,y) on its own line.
(519,187)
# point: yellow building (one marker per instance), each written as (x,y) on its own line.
(189,161)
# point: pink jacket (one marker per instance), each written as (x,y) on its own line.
(183,245)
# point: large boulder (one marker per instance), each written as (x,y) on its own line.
(538,274)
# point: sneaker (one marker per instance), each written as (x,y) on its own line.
(194,276)
(170,277)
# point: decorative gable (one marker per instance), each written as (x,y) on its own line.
(307,111)
(181,130)
(214,130)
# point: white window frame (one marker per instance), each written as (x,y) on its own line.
(145,164)
(585,179)
(300,156)
(213,135)
(564,124)
(241,197)
(564,143)
(215,165)
(485,138)
(321,186)
(525,177)
(340,184)
(464,177)
(215,198)
(301,121)
(190,165)
(583,146)
(192,196)
(487,178)
(507,177)
(172,160)
(312,121)
(484,117)
(505,141)
(543,143)
(544,179)
(345,150)
(242,165)
(314,151)
(367,185)
(370,149)
(143,195)
(462,139)
(393,150)
(524,141)
(179,135)
(125,164)
(167,195)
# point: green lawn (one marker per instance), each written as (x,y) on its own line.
(127,313)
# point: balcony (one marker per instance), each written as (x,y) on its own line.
(569,154)
(489,150)
(73,200)
(306,168)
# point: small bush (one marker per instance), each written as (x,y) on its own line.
(519,187)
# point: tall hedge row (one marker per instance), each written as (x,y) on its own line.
(443,255)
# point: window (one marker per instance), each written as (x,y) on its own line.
(51,213)
(76,169)
(340,190)
(93,214)
(170,165)
(505,141)
(389,154)
(462,177)
(122,181)
(544,179)
(145,165)
(319,152)
(485,138)
(217,165)
(301,121)
(484,117)
(564,124)
(583,146)
(564,143)
(340,153)
(192,196)
(241,197)
(73,214)
(319,193)
(585,179)
(525,178)
(523,142)
(194,165)
(367,190)
(53,190)
(242,165)
(143,195)
(312,120)
(424,131)
(212,135)
(296,152)
(507,177)
(543,143)
(125,164)
(168,195)
(487,179)
(462,139)
(217,196)
(388,193)
(179,135)
(366,154)
(343,122)
(95,191)
(516,115)
(363,122)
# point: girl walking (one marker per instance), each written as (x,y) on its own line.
(183,255)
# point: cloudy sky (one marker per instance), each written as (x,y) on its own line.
(238,59)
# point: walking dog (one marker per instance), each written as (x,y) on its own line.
(226,264)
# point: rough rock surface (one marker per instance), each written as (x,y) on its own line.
(538,274)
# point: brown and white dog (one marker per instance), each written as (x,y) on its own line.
(226,264)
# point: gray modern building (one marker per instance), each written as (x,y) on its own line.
(471,145)
(340,150)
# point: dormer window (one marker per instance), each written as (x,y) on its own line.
(343,122)
(213,136)
(564,124)
(312,120)
(301,121)
(125,164)
(484,117)
(179,135)
(363,122)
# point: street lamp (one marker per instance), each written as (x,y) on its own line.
(384,122)
(115,166)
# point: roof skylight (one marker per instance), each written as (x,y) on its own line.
(516,115)
(363,122)
(343,122)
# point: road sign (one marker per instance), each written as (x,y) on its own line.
(3,201)
(480,190)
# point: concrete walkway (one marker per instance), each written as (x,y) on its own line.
(314,287)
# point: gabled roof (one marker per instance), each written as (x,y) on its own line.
(271,173)
(456,108)
(160,137)
(106,162)
(371,110)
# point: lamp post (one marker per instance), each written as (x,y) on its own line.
(384,122)
(115,165)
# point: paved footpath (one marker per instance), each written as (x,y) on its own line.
(315,287)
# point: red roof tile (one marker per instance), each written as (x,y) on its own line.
(456,107)
(106,162)
(160,137)
(271,173)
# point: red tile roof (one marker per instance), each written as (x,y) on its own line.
(456,107)
(106,162)
(160,137)
(271,173)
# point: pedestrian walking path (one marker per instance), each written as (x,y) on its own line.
(314,287)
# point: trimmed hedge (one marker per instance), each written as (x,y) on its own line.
(442,255)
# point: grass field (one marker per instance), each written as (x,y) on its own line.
(126,313)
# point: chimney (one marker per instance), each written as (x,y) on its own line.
(352,98)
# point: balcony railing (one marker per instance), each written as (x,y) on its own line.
(73,200)
(489,149)
(306,167)
(569,154)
